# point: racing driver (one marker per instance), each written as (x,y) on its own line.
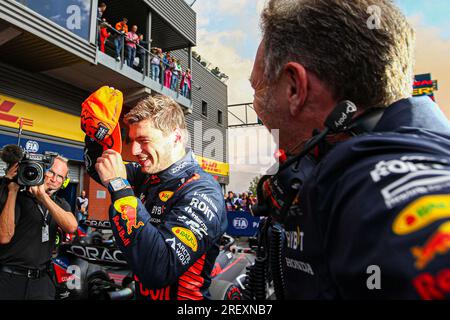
(167,214)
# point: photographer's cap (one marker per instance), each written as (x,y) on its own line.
(100,116)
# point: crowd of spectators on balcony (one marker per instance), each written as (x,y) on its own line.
(167,70)
(164,68)
(243,202)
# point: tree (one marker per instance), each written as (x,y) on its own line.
(254,184)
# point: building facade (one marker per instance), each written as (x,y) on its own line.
(50,62)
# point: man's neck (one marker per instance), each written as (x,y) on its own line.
(179,155)
(175,158)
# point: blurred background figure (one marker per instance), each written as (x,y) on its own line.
(82,206)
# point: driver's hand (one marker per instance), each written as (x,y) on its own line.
(110,166)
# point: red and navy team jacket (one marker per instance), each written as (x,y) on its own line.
(375,213)
(168,226)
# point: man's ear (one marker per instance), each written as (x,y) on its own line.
(296,80)
(178,136)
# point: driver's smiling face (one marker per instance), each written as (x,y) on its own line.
(151,146)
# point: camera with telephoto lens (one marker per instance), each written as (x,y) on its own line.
(32,168)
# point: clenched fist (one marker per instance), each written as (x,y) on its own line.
(110,166)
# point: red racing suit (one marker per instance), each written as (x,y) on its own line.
(168,226)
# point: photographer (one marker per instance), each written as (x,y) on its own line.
(28,224)
(370,217)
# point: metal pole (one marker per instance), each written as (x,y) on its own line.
(190,58)
(94,30)
(123,47)
(149,39)
(246,114)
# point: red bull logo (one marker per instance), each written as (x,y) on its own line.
(433,287)
(153,179)
(128,213)
(439,243)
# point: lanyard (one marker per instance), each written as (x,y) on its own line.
(44,214)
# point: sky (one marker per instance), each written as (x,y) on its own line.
(229,34)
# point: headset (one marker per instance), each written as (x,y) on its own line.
(278,195)
(65,183)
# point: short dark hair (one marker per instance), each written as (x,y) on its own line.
(102,5)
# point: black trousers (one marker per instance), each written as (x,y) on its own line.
(13,287)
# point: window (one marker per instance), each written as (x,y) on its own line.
(219,117)
(204,109)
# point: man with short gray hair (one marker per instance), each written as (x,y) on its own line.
(372,216)
(28,227)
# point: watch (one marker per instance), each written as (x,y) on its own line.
(118,184)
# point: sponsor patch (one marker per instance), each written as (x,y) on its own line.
(183,254)
(172,242)
(157,210)
(418,176)
(153,179)
(128,213)
(195,177)
(101,132)
(294,239)
(299,265)
(155,221)
(431,287)
(186,236)
(181,251)
(439,243)
(194,226)
(207,199)
(196,218)
(203,207)
(179,167)
(422,213)
(405,165)
(165,195)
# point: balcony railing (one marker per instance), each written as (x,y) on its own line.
(154,66)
